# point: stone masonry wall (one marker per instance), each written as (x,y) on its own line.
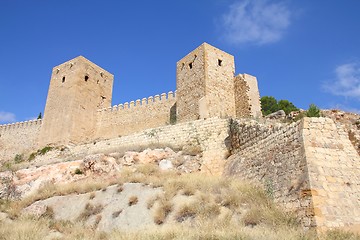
(209,134)
(219,82)
(18,138)
(334,174)
(242,101)
(273,154)
(190,84)
(136,116)
(247,96)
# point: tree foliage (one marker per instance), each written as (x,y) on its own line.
(287,106)
(269,105)
(313,111)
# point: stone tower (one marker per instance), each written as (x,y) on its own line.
(77,89)
(205,84)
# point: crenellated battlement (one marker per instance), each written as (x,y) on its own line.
(20,125)
(159,98)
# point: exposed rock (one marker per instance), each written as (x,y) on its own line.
(277,115)
(165,164)
(147,156)
(113,207)
(99,164)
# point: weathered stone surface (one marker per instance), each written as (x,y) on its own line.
(277,115)
(165,164)
(99,164)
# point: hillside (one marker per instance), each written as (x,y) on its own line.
(144,194)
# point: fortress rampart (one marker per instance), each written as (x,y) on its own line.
(18,138)
(309,166)
(136,116)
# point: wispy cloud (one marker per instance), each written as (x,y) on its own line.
(347,81)
(7,117)
(256,22)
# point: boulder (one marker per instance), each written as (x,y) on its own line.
(99,163)
(277,115)
(165,164)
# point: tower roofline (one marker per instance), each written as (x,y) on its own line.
(84,60)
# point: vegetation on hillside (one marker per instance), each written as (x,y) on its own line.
(270,105)
(219,208)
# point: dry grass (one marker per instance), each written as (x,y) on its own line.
(164,207)
(133,200)
(49,190)
(219,209)
(90,210)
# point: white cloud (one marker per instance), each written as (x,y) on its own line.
(347,81)
(256,22)
(7,117)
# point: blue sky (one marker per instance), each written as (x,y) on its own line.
(303,51)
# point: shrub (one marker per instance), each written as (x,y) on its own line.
(78,171)
(19,158)
(287,106)
(45,150)
(313,111)
(89,211)
(133,200)
(32,156)
(270,105)
(185,212)
(163,210)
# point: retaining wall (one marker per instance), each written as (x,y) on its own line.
(210,135)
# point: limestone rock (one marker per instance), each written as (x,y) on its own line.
(99,164)
(277,115)
(165,164)
(147,156)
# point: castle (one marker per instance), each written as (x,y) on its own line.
(78,107)
(310,166)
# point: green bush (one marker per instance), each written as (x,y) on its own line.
(45,150)
(287,106)
(78,171)
(313,111)
(270,105)
(32,156)
(19,158)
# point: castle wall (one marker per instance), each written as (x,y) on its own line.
(18,138)
(310,167)
(210,135)
(273,155)
(247,96)
(334,174)
(136,116)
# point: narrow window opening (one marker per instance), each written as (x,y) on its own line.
(102,74)
(190,65)
(86,78)
(97,81)
(182,66)
(57,71)
(219,62)
(63,79)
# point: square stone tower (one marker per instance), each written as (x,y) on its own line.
(205,84)
(77,89)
